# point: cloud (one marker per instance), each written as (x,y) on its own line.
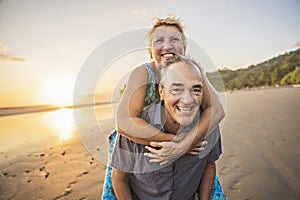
(9,58)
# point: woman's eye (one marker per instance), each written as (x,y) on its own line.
(175,39)
(159,40)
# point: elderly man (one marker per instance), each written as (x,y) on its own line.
(135,176)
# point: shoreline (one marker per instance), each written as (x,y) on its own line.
(20,110)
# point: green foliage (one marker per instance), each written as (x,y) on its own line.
(292,77)
(281,70)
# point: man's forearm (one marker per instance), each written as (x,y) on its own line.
(207,181)
(121,185)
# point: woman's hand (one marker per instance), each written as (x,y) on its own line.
(197,148)
(171,151)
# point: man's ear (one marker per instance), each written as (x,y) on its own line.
(160,90)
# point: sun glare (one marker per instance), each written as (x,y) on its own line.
(59,93)
(63,123)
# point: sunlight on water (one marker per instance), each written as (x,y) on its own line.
(63,123)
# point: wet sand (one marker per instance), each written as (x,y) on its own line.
(260,160)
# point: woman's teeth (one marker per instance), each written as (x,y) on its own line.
(168,55)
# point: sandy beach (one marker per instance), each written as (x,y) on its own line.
(260,160)
(260,142)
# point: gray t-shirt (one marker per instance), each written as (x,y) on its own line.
(178,180)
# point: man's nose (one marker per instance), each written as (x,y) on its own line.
(187,97)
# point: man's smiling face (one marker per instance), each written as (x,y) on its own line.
(182,92)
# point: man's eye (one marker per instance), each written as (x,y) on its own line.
(176,91)
(197,91)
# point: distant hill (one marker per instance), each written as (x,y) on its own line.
(281,70)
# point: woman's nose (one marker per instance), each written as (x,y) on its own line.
(167,45)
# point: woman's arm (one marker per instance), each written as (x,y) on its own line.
(131,105)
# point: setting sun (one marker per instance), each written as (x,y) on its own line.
(59,92)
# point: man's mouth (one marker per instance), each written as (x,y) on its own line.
(184,109)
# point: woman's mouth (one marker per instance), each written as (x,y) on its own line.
(168,55)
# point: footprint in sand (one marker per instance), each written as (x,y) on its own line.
(42,155)
(72,183)
(47,175)
(92,160)
(5,174)
(82,174)
(223,171)
(42,168)
(232,154)
(63,153)
(66,193)
(237,167)
(235,186)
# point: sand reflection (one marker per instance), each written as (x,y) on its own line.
(63,123)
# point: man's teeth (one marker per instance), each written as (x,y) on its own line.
(184,109)
(168,55)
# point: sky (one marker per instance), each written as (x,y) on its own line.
(45,45)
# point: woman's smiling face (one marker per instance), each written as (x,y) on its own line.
(167,42)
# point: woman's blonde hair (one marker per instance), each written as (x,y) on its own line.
(168,21)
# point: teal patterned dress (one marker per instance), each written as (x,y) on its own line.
(108,192)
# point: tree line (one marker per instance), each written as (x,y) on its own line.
(281,70)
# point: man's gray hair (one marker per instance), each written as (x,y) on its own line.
(187,60)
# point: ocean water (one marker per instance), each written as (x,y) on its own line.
(36,127)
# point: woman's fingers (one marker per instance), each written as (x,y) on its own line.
(202,143)
(195,151)
(151,155)
(169,151)
(155,158)
(159,144)
(152,150)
